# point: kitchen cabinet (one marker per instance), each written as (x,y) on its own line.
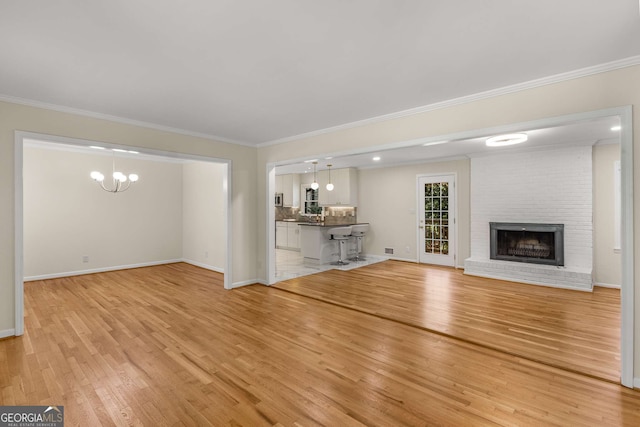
(287,235)
(345,187)
(293,235)
(289,186)
(281,234)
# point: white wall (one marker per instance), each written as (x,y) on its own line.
(607,262)
(203,229)
(176,211)
(387,199)
(68,216)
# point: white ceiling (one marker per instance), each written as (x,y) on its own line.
(259,71)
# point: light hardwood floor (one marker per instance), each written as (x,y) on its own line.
(167,345)
(573,330)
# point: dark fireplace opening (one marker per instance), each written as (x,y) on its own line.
(532,243)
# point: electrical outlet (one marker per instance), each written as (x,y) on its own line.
(85,258)
(388,251)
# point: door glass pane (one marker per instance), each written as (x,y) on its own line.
(436,214)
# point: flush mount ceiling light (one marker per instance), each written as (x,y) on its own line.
(376,159)
(615,128)
(504,140)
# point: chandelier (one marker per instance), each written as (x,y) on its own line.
(120,181)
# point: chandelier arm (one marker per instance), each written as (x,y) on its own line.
(120,189)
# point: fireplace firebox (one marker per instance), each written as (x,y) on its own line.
(532,243)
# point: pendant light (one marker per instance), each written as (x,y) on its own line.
(315,184)
(329,185)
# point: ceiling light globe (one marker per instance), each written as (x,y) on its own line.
(329,187)
(97,176)
(133,177)
(119,176)
(315,186)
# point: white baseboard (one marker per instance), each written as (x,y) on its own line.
(245,283)
(607,285)
(202,265)
(400,259)
(529,282)
(99,270)
(636,383)
(7,333)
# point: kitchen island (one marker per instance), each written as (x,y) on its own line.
(316,244)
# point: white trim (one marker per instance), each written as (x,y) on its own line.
(636,383)
(246,283)
(99,270)
(19,238)
(202,265)
(607,285)
(627,293)
(20,136)
(8,333)
(528,282)
(271,220)
(617,205)
(117,119)
(415,261)
(583,72)
(227,189)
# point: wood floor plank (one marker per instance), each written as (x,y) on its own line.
(569,329)
(167,345)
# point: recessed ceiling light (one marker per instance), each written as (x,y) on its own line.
(434,143)
(119,150)
(504,140)
(615,128)
(328,158)
(96,147)
(133,152)
(376,159)
(311,161)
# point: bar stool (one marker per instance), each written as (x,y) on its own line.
(358,231)
(341,234)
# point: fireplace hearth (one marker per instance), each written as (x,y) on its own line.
(531,243)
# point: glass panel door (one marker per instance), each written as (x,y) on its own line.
(435,221)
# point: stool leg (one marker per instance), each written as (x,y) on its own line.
(340,252)
(358,250)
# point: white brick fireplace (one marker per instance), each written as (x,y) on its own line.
(549,187)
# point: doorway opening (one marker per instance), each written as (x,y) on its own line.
(185,163)
(472,138)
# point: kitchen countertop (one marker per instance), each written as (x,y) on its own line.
(321,224)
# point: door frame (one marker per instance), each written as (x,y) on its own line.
(627,291)
(455,213)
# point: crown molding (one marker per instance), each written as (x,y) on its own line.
(557,78)
(117,119)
